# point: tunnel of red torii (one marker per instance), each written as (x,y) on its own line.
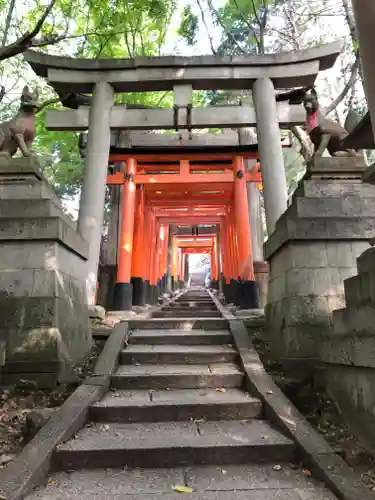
(184,192)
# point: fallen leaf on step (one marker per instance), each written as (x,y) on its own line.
(269,391)
(198,420)
(220,389)
(223,471)
(51,481)
(183,489)
(307,472)
(276,467)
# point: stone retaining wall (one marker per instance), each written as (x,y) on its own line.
(311,252)
(349,355)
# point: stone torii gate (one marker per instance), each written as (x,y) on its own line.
(103,78)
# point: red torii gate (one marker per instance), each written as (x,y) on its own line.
(180,189)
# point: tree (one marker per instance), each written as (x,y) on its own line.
(269,26)
(77,28)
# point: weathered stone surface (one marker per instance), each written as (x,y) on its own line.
(175,354)
(174,444)
(43,314)
(28,208)
(42,228)
(181,324)
(336,167)
(313,250)
(181,337)
(154,481)
(246,477)
(35,421)
(352,389)
(263,494)
(366,261)
(27,189)
(177,376)
(19,166)
(323,188)
(176,405)
(96,312)
(113,482)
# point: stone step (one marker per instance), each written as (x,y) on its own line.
(191,306)
(171,313)
(234,482)
(177,354)
(173,444)
(180,337)
(189,300)
(186,324)
(264,494)
(177,405)
(219,375)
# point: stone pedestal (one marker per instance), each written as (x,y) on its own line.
(44,322)
(312,251)
(349,355)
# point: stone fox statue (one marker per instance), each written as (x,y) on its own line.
(324,133)
(19,132)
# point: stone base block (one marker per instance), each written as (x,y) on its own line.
(139,291)
(248,295)
(44,320)
(313,249)
(235,294)
(215,284)
(155,294)
(348,167)
(123,297)
(107,280)
(45,333)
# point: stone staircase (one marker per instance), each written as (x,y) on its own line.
(177,419)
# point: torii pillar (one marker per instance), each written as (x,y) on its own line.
(248,136)
(123,294)
(275,189)
(91,210)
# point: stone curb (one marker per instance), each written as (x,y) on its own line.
(221,308)
(316,454)
(33,463)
